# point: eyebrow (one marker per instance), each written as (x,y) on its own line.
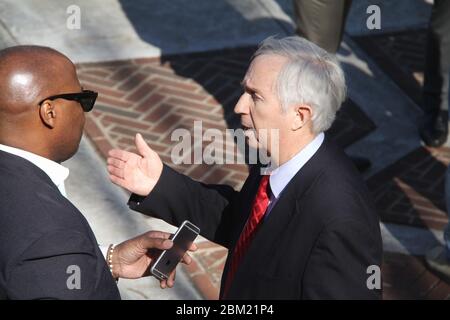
(246,87)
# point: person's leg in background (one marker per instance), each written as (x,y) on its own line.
(323,22)
(436,79)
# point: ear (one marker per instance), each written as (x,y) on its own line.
(302,116)
(48,113)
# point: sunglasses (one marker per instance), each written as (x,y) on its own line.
(85,98)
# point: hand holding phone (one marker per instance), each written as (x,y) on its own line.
(168,259)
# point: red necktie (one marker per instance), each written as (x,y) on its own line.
(258,210)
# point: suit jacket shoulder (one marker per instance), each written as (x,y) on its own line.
(41,236)
(330,184)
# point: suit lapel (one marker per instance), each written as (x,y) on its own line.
(287,205)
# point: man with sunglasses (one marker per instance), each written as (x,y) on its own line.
(47,248)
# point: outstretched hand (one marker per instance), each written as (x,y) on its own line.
(138,173)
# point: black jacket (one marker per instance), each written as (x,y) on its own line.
(41,235)
(317,242)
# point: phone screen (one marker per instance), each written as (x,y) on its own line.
(168,260)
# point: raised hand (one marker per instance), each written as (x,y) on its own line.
(138,173)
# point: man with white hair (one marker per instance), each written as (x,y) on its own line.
(308,230)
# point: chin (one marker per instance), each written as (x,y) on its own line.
(69,153)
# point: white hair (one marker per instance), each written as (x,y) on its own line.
(311,76)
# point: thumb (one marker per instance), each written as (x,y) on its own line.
(142,147)
(149,242)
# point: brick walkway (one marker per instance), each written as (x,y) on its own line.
(155,96)
(405,277)
(401,55)
(411,191)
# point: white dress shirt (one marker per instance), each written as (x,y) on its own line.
(57,173)
(281,176)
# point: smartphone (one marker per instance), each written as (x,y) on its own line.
(168,259)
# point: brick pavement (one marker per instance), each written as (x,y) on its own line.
(401,55)
(411,191)
(155,96)
(406,277)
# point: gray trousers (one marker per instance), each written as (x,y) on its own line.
(437,68)
(322,21)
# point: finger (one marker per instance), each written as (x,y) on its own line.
(115,171)
(158,234)
(118,181)
(148,242)
(186,259)
(163,284)
(120,154)
(171,279)
(142,147)
(193,247)
(116,163)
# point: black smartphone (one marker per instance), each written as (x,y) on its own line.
(168,259)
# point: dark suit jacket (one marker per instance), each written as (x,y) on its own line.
(316,243)
(41,235)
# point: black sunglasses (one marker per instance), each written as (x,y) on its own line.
(85,98)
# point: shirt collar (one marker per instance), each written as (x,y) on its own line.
(281,176)
(57,173)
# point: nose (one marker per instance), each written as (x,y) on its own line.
(242,107)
